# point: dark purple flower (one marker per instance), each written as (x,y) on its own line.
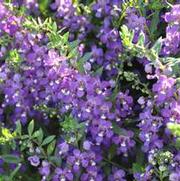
(117,175)
(63,148)
(63,174)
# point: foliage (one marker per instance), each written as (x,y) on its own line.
(89,90)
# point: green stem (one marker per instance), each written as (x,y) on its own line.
(115,164)
(146,27)
(14,172)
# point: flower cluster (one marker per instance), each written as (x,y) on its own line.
(172,40)
(76,103)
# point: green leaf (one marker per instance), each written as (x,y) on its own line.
(51,147)
(81,61)
(54,27)
(31,127)
(177,81)
(24,145)
(15,171)
(137,168)
(14,59)
(56,160)
(65,38)
(127,36)
(69,124)
(73,53)
(174,128)
(139,156)
(40,135)
(4,178)
(18,127)
(6,135)
(44,6)
(73,44)
(141,39)
(11,158)
(23,137)
(112,152)
(157,46)
(107,170)
(37,133)
(73,130)
(98,72)
(154,22)
(177,145)
(117,129)
(47,140)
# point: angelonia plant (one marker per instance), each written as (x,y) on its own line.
(89,90)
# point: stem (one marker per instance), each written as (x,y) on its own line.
(115,164)
(169,4)
(15,171)
(146,27)
(161,176)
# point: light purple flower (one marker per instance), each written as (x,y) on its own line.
(34,160)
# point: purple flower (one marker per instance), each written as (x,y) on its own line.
(117,175)
(92,173)
(164,88)
(87,145)
(63,174)
(123,104)
(45,168)
(174,176)
(75,160)
(172,40)
(135,22)
(146,176)
(124,142)
(34,160)
(63,148)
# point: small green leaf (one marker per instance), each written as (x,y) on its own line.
(107,170)
(98,72)
(40,135)
(177,145)
(112,152)
(54,27)
(174,128)
(4,178)
(177,81)
(24,145)
(14,59)
(47,140)
(82,60)
(11,158)
(31,127)
(137,168)
(157,46)
(65,38)
(23,137)
(141,39)
(140,157)
(56,160)
(117,129)
(36,134)
(18,127)
(154,22)
(127,36)
(15,171)
(44,6)
(51,147)
(73,53)
(73,44)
